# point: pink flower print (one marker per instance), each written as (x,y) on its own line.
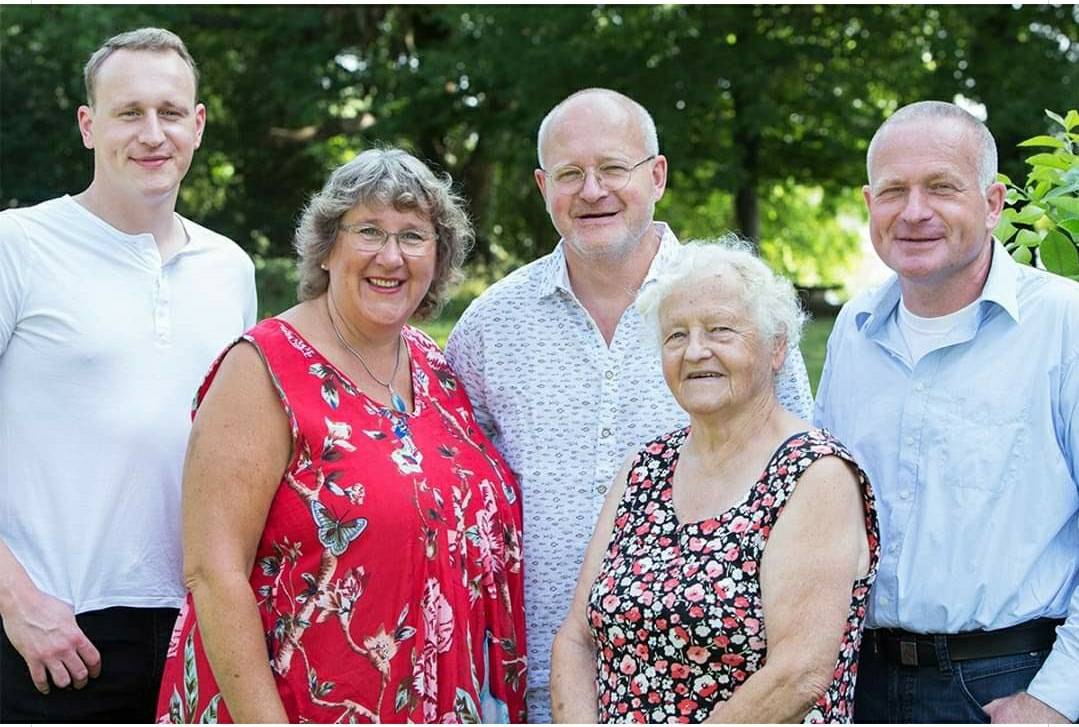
(739,524)
(627,666)
(704,686)
(679,671)
(697,654)
(713,570)
(687,706)
(610,603)
(437,617)
(695,593)
(679,637)
(752,625)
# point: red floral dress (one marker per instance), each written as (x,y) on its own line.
(676,609)
(388,577)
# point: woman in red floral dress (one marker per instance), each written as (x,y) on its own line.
(728,575)
(351,540)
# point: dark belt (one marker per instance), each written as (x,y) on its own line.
(911,649)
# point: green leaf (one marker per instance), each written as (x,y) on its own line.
(1067,189)
(1028,238)
(209,715)
(1067,204)
(176,707)
(191,675)
(1071,225)
(1056,118)
(1005,229)
(1048,160)
(1030,214)
(1049,141)
(1059,254)
(1071,120)
(1022,255)
(1004,178)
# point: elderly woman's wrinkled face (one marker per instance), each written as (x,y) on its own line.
(380,287)
(714,359)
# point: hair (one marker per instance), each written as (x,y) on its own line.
(941,110)
(769,298)
(379,178)
(146,39)
(644,119)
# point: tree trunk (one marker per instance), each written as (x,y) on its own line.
(747,212)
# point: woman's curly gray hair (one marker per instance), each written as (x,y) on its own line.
(382,178)
(769,298)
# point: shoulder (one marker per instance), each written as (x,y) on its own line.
(509,298)
(16,224)
(24,230)
(1040,292)
(228,251)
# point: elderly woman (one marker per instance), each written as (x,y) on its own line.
(744,519)
(351,540)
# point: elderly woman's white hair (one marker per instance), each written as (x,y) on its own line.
(769,299)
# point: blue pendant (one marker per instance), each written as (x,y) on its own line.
(397,402)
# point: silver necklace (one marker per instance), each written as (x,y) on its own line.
(396,400)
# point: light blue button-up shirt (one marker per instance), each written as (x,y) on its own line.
(974,456)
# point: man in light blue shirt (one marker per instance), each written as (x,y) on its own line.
(956,385)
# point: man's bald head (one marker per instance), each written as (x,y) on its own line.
(599,97)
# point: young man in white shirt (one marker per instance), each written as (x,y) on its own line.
(112,308)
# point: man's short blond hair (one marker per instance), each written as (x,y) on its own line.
(148,39)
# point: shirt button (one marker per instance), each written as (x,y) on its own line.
(919,386)
(605,433)
(884,600)
(904,494)
(609,375)
(909,441)
(893,548)
(601,489)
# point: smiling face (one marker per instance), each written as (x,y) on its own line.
(714,359)
(378,292)
(929,219)
(144,126)
(591,131)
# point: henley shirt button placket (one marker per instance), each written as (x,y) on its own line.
(161,309)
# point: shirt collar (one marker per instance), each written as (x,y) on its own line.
(554,273)
(999,289)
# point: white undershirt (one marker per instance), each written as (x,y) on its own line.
(924,335)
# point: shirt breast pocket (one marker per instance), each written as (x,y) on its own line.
(981,438)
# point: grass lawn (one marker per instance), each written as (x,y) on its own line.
(814,339)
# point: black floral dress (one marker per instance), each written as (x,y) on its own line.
(676,609)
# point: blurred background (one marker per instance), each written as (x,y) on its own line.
(764,112)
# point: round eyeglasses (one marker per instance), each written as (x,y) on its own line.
(613,176)
(371,239)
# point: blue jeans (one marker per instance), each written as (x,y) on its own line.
(950,691)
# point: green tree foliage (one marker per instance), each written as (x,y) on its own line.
(1042,216)
(763,111)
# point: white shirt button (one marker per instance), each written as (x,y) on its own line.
(909,441)
(904,494)
(919,386)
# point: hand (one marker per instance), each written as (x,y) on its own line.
(1021,708)
(44,632)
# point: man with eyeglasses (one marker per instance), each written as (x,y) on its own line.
(561,373)
(112,308)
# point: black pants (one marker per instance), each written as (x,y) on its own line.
(132,643)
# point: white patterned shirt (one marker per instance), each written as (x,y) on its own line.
(565,409)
